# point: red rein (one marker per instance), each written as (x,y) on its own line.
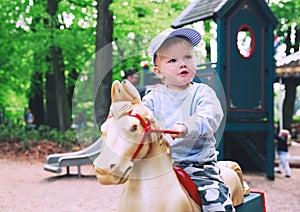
(147,129)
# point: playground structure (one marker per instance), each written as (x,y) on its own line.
(247,75)
(55,162)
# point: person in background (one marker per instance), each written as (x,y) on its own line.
(132,76)
(282,150)
(80,121)
(29,119)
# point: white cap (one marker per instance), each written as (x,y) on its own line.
(286,133)
(192,35)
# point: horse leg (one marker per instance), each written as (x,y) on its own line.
(232,176)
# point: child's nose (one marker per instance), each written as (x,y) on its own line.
(182,64)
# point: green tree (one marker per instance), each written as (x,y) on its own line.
(135,24)
(50,42)
(288,28)
(46,44)
(288,31)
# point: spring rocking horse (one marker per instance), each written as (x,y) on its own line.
(136,152)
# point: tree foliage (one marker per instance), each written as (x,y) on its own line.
(135,24)
(288,29)
(29,31)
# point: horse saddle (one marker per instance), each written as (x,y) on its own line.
(188,184)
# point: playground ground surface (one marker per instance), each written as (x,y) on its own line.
(25,186)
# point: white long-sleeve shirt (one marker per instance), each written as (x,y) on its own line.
(199,109)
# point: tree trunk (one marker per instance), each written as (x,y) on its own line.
(36,93)
(72,77)
(103,63)
(36,97)
(56,93)
(51,109)
(289,101)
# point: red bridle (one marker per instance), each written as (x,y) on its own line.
(147,129)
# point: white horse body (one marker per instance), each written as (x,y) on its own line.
(134,154)
(156,189)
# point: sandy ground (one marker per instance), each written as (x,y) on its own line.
(25,186)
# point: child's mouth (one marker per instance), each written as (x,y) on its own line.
(183,72)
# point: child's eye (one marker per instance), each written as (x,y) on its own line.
(187,57)
(172,61)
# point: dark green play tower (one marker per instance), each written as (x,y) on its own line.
(247,74)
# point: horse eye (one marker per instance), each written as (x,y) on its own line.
(134,128)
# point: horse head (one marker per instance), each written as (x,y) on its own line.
(126,135)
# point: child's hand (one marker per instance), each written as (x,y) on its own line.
(181,128)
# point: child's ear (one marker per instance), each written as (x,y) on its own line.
(157,72)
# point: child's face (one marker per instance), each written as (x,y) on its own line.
(175,64)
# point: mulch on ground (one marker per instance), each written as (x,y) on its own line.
(33,150)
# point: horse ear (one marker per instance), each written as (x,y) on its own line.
(132,91)
(116,91)
(124,91)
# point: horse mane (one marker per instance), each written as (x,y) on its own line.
(120,108)
(163,141)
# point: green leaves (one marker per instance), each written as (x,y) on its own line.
(25,37)
(136,22)
(289,23)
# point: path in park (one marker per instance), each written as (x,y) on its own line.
(25,186)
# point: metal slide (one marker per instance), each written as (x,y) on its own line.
(55,162)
